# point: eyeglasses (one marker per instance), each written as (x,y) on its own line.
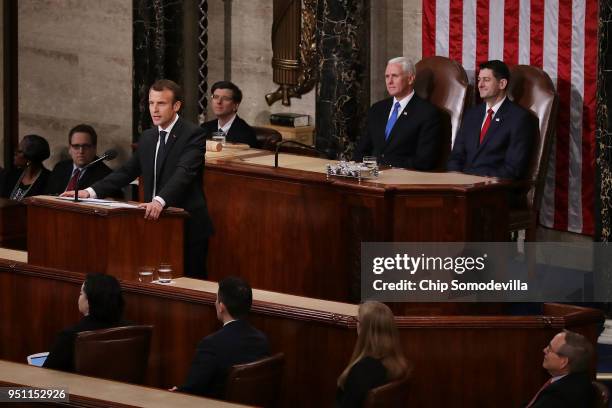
(221,98)
(549,349)
(85,146)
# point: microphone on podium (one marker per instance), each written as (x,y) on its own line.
(110,154)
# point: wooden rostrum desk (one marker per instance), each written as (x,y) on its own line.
(293,230)
(469,360)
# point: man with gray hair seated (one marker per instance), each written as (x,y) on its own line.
(566,358)
(404,130)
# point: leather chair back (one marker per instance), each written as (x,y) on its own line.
(390,395)
(602,395)
(256,383)
(532,88)
(444,83)
(118,353)
(267,138)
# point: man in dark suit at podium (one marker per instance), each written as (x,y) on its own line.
(226,98)
(170,158)
(237,342)
(495,137)
(82,143)
(404,130)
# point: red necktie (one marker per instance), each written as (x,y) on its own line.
(485,127)
(535,397)
(73,180)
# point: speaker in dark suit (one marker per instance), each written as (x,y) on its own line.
(225,100)
(495,137)
(237,342)
(170,158)
(402,131)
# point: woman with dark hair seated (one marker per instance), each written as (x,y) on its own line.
(101,304)
(377,358)
(29,176)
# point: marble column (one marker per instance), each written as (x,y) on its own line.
(343,91)
(157,51)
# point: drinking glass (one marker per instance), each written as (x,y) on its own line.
(370,161)
(219,137)
(164,273)
(145,274)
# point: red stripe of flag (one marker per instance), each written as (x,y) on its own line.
(564,64)
(589,116)
(511,31)
(455,31)
(428,31)
(536,32)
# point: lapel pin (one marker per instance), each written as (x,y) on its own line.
(497,119)
(405,113)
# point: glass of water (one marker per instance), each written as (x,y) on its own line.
(145,274)
(219,137)
(370,161)
(164,273)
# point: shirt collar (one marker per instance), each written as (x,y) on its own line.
(229,321)
(228,125)
(403,102)
(496,106)
(557,378)
(170,126)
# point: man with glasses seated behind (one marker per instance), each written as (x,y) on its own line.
(225,99)
(82,141)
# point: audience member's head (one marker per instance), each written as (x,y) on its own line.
(165,100)
(234,299)
(377,338)
(33,149)
(101,298)
(399,77)
(82,141)
(567,352)
(226,98)
(493,78)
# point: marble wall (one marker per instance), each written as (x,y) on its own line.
(75,66)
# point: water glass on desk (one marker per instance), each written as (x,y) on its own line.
(145,274)
(219,137)
(164,273)
(370,161)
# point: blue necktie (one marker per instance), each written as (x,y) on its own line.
(392,120)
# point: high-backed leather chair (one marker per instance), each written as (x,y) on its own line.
(602,395)
(256,383)
(267,138)
(533,89)
(444,83)
(390,395)
(118,353)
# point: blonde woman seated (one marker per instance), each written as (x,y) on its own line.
(377,358)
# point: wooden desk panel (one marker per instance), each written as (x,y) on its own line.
(296,231)
(458,360)
(13,223)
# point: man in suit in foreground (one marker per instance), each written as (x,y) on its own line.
(495,137)
(170,158)
(226,98)
(237,342)
(82,143)
(404,130)
(566,358)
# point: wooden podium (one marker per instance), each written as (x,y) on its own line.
(12,224)
(85,237)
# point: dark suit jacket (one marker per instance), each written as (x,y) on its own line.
(61,356)
(572,391)
(506,148)
(366,374)
(236,343)
(180,180)
(239,132)
(11,178)
(62,172)
(414,140)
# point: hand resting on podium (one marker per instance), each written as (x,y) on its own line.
(152,209)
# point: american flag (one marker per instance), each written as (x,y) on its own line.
(559,36)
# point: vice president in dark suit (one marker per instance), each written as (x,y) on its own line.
(225,99)
(82,144)
(404,130)
(495,137)
(237,342)
(170,158)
